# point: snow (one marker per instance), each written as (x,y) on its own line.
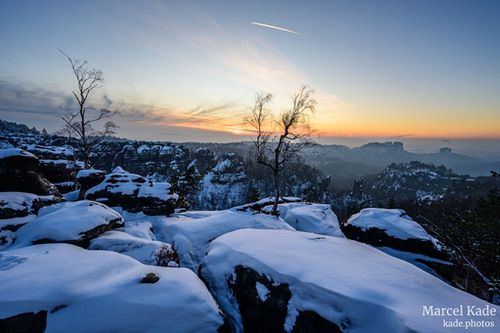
(394,222)
(4,153)
(342,280)
(262,291)
(100,292)
(71,196)
(66,221)
(191,232)
(146,251)
(317,218)
(88,172)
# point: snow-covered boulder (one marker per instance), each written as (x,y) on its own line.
(317,218)
(88,178)
(134,193)
(68,222)
(192,232)
(391,228)
(20,172)
(148,252)
(281,280)
(63,288)
(19,204)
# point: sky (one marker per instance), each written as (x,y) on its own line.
(189,70)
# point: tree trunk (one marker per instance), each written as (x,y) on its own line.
(276,195)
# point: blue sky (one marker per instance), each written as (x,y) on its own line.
(188,70)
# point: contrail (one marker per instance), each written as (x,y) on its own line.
(277,28)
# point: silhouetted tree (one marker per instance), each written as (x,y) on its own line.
(278,141)
(81,122)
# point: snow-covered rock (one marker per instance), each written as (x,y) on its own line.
(19,204)
(191,232)
(88,178)
(317,218)
(391,228)
(269,201)
(50,152)
(68,222)
(63,288)
(148,252)
(134,193)
(281,280)
(20,172)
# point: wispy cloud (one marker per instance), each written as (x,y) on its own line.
(276,28)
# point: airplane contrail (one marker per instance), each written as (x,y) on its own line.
(277,28)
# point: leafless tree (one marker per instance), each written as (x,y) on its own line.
(277,141)
(81,122)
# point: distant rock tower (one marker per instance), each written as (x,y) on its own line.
(445,150)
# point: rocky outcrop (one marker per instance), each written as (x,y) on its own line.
(134,193)
(20,172)
(394,229)
(329,284)
(89,178)
(263,305)
(58,164)
(68,222)
(19,204)
(76,290)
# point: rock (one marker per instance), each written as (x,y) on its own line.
(291,281)
(150,278)
(394,229)
(308,217)
(89,178)
(80,290)
(28,322)
(58,164)
(19,204)
(134,193)
(20,172)
(149,252)
(68,222)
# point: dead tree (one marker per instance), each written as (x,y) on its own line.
(278,141)
(81,122)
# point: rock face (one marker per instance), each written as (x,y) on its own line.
(394,229)
(68,222)
(64,288)
(330,284)
(263,305)
(58,164)
(134,193)
(20,172)
(25,323)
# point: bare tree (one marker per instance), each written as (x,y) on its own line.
(278,141)
(81,122)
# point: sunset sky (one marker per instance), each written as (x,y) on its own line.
(189,70)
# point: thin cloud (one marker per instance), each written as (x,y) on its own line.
(276,28)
